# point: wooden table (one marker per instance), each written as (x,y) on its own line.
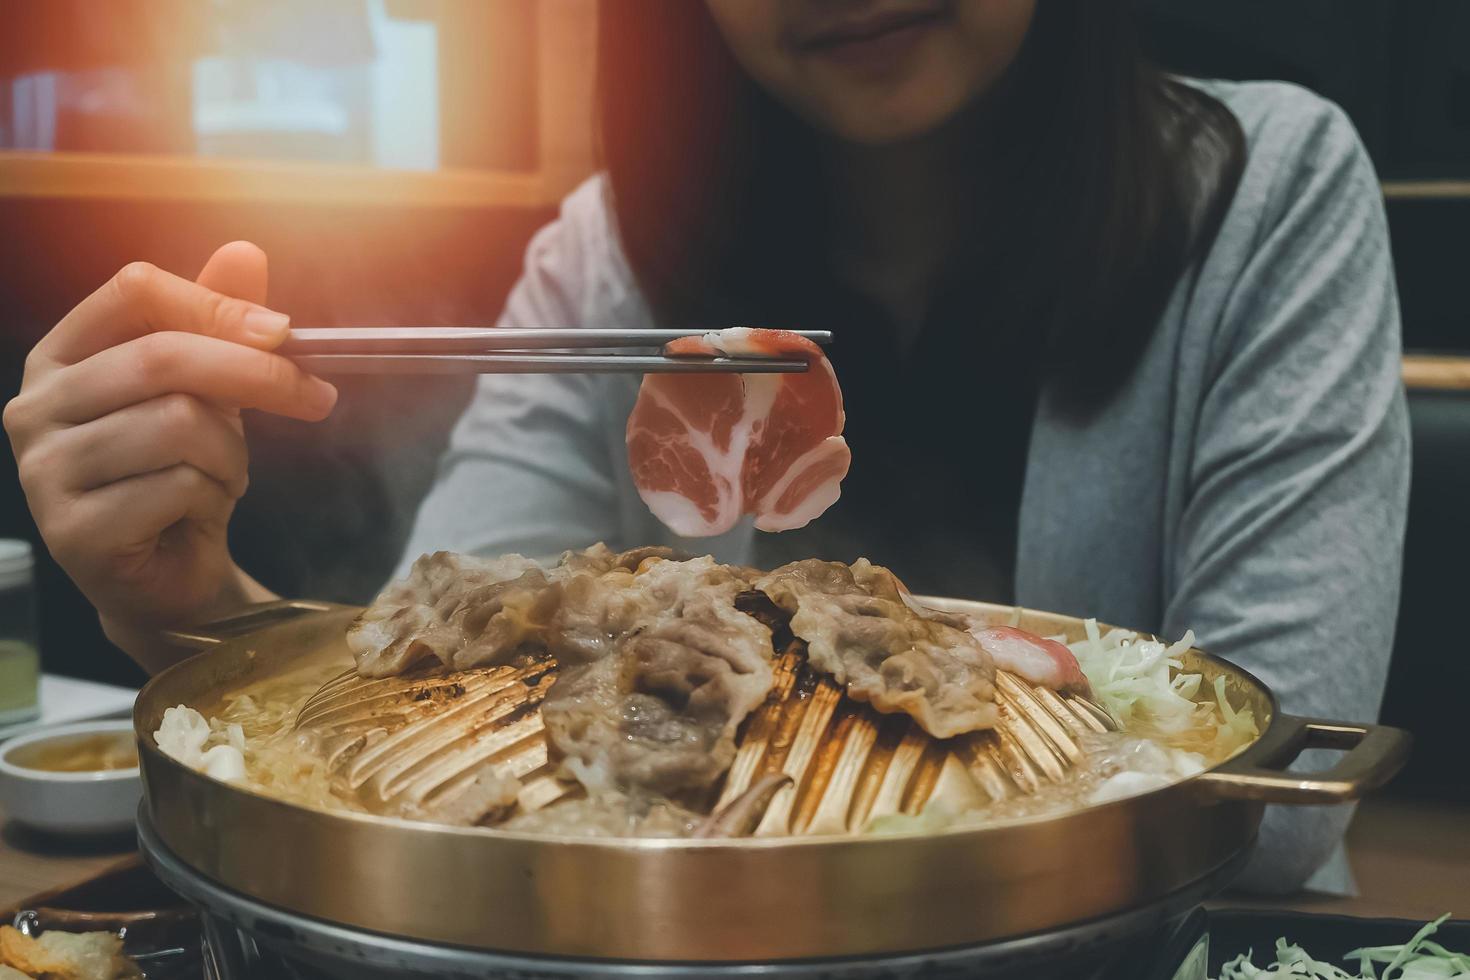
(1412,861)
(30,863)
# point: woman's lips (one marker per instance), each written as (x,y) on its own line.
(874,43)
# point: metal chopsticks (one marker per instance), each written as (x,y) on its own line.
(478,350)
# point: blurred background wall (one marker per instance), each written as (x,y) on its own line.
(394,156)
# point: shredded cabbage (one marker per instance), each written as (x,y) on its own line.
(1141,682)
(1418,959)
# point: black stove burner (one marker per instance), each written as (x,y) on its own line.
(235,955)
(248,940)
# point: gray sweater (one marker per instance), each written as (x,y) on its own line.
(1250,482)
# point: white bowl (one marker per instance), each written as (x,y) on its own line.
(69,802)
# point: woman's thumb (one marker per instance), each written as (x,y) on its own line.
(238,269)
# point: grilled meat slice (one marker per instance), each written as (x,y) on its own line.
(600,559)
(659,667)
(458,608)
(658,712)
(473,612)
(884,650)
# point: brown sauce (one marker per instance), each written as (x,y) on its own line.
(97,752)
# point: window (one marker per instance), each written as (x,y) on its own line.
(465,87)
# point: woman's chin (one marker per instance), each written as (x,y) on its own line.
(887,122)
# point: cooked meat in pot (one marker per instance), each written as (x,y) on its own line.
(658,713)
(474,612)
(463,610)
(658,665)
(600,558)
(639,670)
(885,651)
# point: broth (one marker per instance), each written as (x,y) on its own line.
(1173,730)
(95,752)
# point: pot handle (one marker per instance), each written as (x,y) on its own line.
(1372,755)
(247,620)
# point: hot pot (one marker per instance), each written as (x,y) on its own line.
(382,892)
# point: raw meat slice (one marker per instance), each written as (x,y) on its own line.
(705,449)
(1035,658)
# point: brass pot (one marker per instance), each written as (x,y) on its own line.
(717,901)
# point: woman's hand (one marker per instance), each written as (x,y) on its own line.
(128,437)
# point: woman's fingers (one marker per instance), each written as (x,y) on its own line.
(142,438)
(128,437)
(215,370)
(122,521)
(237,269)
(142,299)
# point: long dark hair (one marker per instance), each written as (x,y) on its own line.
(1119,178)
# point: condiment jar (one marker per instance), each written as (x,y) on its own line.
(20,659)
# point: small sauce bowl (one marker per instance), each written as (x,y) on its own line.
(72,779)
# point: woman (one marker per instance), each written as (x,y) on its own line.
(1112,343)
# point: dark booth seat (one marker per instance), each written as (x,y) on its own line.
(1430,678)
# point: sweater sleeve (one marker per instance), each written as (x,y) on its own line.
(1290,542)
(529,466)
